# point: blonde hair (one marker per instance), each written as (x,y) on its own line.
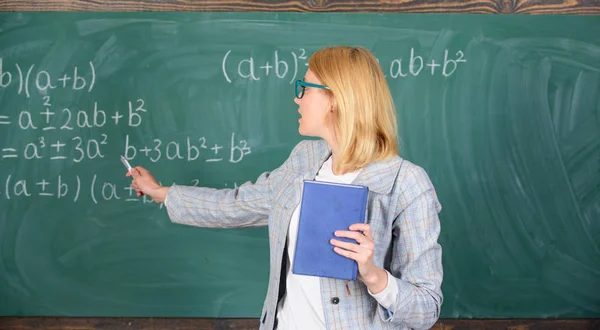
(364,115)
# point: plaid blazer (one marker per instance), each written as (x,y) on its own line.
(402,211)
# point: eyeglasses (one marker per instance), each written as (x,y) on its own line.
(301,87)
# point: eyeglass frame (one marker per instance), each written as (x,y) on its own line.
(304,84)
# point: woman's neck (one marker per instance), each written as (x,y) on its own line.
(334,157)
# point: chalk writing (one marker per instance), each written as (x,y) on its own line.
(286,67)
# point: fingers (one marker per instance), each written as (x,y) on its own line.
(359,253)
(137,188)
(141,170)
(365,228)
(362,252)
(363,237)
(355,235)
(136,171)
(346,253)
(363,244)
(345,245)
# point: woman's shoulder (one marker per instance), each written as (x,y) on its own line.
(307,154)
(412,179)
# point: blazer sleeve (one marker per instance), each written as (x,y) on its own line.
(416,264)
(248,205)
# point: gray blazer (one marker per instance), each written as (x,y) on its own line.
(402,211)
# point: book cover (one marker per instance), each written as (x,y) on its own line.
(325,208)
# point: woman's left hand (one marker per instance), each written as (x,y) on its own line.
(374,277)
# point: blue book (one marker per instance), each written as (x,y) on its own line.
(325,208)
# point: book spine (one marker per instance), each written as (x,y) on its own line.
(364,217)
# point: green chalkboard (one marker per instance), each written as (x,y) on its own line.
(502,111)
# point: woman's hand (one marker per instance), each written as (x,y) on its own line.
(145,184)
(374,277)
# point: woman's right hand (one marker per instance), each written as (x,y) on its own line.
(145,184)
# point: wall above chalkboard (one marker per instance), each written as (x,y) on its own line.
(502,111)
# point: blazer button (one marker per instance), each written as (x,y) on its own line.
(335,300)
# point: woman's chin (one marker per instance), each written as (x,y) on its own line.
(304,133)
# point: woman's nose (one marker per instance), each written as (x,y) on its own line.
(297,100)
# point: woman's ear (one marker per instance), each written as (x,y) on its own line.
(332,105)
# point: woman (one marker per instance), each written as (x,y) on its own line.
(344,99)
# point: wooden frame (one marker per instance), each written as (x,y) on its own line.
(578,7)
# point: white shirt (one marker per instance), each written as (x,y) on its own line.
(302,307)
